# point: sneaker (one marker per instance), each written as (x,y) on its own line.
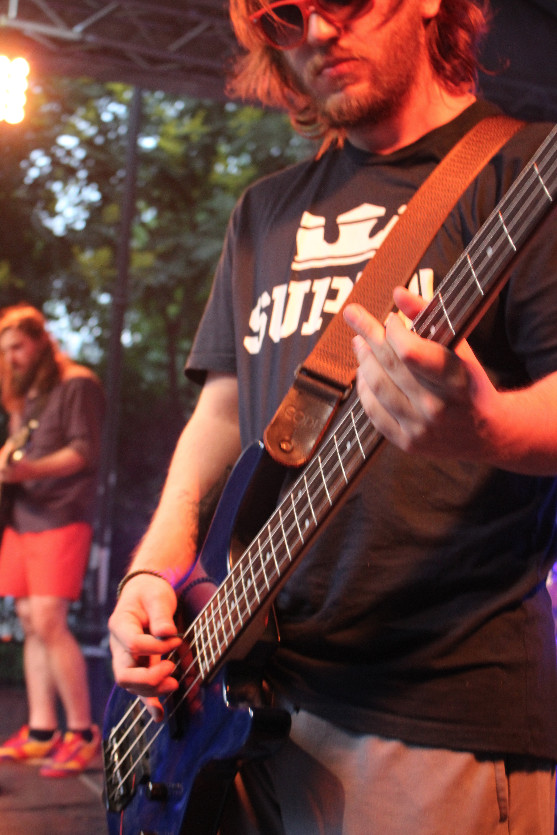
(24,748)
(72,755)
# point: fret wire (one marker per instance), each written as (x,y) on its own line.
(210,629)
(262,566)
(474,275)
(238,591)
(264,555)
(233,582)
(253,582)
(296,517)
(273,550)
(206,642)
(505,229)
(229,611)
(223,621)
(284,537)
(309,498)
(340,459)
(537,170)
(244,592)
(237,588)
(357,434)
(202,658)
(324,479)
(301,509)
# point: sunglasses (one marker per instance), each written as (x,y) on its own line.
(284,24)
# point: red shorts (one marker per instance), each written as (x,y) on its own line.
(49,563)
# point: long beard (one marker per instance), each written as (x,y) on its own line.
(21,381)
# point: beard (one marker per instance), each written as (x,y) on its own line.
(23,379)
(370,106)
(378,83)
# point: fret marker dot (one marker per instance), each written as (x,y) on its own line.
(489,251)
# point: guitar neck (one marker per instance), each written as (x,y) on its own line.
(461,299)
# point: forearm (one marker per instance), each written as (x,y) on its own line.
(521,429)
(63,462)
(208,447)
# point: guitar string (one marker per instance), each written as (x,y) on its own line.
(183,674)
(453,282)
(199,678)
(519,200)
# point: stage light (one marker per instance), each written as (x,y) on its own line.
(13,84)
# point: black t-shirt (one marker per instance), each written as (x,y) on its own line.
(422,614)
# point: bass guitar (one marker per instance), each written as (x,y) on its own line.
(163,778)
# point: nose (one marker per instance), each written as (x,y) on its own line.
(320,29)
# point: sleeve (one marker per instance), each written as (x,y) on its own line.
(531,308)
(84,407)
(214,346)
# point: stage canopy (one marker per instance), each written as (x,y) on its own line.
(184,47)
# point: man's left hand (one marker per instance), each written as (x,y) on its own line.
(419,395)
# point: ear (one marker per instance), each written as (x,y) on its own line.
(430,8)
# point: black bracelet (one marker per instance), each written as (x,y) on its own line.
(196,582)
(131,574)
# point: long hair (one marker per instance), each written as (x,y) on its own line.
(260,73)
(52,364)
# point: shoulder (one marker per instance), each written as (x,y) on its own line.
(269,190)
(80,385)
(78,374)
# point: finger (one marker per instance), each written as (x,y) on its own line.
(408,303)
(430,363)
(154,708)
(364,324)
(148,681)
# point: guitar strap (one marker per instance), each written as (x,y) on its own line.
(324,380)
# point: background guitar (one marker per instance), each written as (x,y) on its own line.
(13,450)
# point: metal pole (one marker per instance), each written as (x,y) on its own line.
(100,552)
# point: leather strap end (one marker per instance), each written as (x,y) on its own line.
(301,420)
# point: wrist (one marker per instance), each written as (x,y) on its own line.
(137,572)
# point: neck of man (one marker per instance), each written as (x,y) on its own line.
(427,107)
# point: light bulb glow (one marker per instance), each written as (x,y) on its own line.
(13,84)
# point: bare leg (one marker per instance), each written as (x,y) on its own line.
(54,664)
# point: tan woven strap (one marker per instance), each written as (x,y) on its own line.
(327,374)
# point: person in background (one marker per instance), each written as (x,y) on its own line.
(48,470)
(417,652)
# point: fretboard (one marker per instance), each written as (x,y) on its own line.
(461,298)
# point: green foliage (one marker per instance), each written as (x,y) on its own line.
(63,188)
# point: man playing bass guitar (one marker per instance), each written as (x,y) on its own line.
(417,653)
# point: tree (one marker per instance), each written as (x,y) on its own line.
(61,192)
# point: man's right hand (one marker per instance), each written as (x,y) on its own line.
(142,630)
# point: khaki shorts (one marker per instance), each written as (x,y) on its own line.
(325,781)
(50,563)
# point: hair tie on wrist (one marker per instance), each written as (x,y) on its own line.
(131,574)
(196,582)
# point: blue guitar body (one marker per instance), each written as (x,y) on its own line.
(171,777)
